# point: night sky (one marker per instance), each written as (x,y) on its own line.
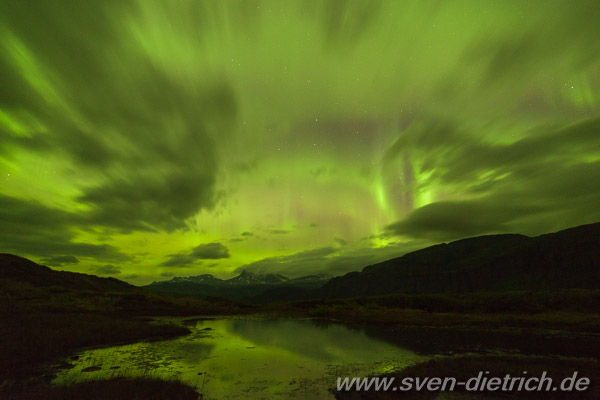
(149,139)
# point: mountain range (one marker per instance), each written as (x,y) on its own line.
(244,278)
(245,286)
(492,263)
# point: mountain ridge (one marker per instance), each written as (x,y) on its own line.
(246,286)
(566,259)
(508,262)
(244,278)
(23,270)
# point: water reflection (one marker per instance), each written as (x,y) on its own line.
(315,340)
(250,358)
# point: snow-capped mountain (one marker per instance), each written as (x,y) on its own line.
(204,278)
(245,278)
(245,286)
(249,278)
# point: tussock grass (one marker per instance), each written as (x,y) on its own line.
(29,340)
(119,388)
(571,310)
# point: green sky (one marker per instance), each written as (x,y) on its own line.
(147,139)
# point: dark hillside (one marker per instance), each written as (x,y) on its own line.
(19,269)
(566,259)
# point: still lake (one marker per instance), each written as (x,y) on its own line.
(249,358)
(300,358)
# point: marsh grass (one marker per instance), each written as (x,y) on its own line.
(116,388)
(28,341)
(40,325)
(569,310)
(31,342)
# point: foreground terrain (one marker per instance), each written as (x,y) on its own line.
(540,294)
(47,315)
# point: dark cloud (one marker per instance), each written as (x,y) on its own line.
(278,231)
(550,170)
(340,241)
(323,172)
(452,220)
(243,236)
(169,177)
(517,55)
(107,270)
(31,228)
(167,274)
(61,260)
(318,171)
(210,251)
(289,265)
(206,251)
(245,167)
(145,204)
(329,260)
(179,260)
(146,136)
(456,155)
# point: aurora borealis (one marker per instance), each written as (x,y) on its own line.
(148,139)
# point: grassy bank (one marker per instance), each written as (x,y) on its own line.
(30,340)
(40,325)
(570,310)
(113,389)
(24,297)
(559,320)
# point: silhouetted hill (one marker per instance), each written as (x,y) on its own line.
(19,269)
(29,287)
(566,259)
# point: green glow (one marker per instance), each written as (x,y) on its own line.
(11,124)
(303,136)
